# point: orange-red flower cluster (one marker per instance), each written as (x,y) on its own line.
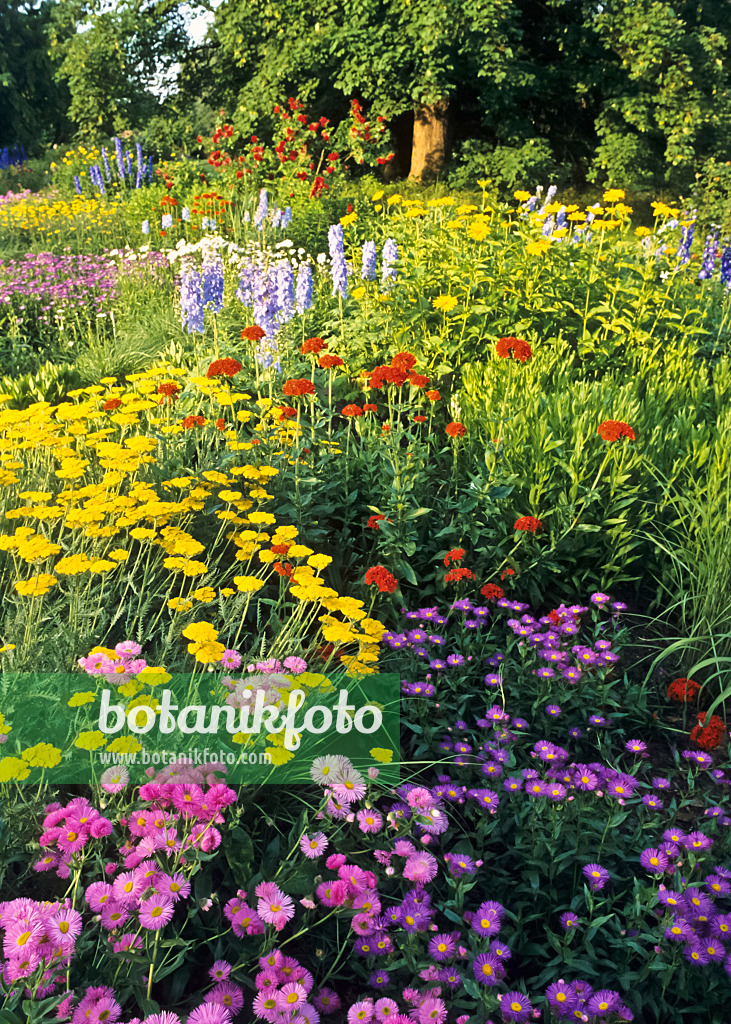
(520,349)
(225,367)
(298,386)
(528,523)
(492,592)
(455,555)
(253,333)
(456,573)
(383,579)
(433,396)
(612,430)
(168,389)
(373,521)
(398,373)
(312,346)
(708,737)
(193,421)
(351,410)
(112,404)
(330,362)
(683,690)
(456,429)
(286,411)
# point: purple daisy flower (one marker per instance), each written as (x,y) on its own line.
(654,861)
(568,921)
(487,969)
(553,710)
(596,876)
(514,1006)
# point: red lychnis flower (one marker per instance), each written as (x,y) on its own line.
(528,523)
(418,380)
(456,429)
(220,424)
(492,592)
(456,574)
(507,572)
(299,386)
(455,555)
(368,407)
(253,333)
(520,349)
(225,367)
(384,580)
(612,430)
(312,346)
(708,737)
(330,362)
(193,421)
(419,419)
(351,410)
(433,396)
(286,411)
(112,404)
(683,690)
(168,389)
(373,521)
(404,361)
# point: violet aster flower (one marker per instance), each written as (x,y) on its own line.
(697,841)
(596,876)
(487,969)
(568,921)
(553,710)
(600,599)
(562,998)
(654,861)
(514,1006)
(636,747)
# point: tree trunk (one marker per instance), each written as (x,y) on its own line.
(429,147)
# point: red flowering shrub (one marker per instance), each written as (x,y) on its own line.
(383,579)
(351,410)
(521,349)
(456,429)
(330,362)
(683,690)
(528,523)
(612,430)
(299,386)
(225,367)
(253,333)
(387,375)
(312,346)
(492,592)
(455,555)
(708,737)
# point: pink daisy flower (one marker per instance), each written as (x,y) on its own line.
(175,887)
(314,846)
(226,994)
(114,780)
(156,912)
(276,909)
(369,820)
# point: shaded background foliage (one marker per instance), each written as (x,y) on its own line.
(625,91)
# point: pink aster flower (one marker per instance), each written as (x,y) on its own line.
(226,994)
(314,846)
(369,820)
(175,887)
(156,912)
(275,908)
(420,867)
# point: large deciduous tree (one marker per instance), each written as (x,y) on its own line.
(415,57)
(32,103)
(115,58)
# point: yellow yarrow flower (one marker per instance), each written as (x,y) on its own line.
(81,697)
(90,740)
(383,754)
(42,755)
